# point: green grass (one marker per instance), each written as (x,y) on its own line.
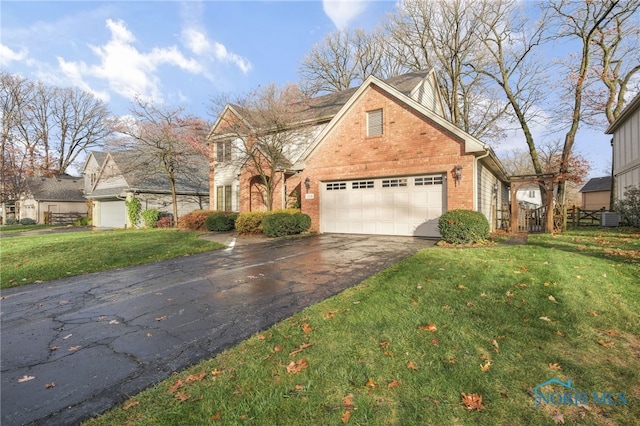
(369,359)
(36,258)
(14,229)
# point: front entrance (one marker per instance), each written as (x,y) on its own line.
(408,206)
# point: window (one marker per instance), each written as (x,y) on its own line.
(223,198)
(532,194)
(394,183)
(363,184)
(223,151)
(428,180)
(336,186)
(374,122)
(92,178)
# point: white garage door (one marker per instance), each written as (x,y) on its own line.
(390,206)
(113,214)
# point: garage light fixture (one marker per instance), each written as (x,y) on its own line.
(307,183)
(457,172)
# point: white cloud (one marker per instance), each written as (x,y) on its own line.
(7,55)
(342,12)
(198,43)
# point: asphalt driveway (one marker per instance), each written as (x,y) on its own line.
(73,348)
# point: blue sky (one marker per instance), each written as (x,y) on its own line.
(185,53)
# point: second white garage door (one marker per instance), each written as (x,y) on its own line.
(390,206)
(113,214)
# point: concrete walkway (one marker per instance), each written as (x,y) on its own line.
(103,337)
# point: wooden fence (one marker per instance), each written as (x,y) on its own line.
(51,218)
(579,217)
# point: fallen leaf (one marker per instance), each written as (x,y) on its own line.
(347,400)
(177,385)
(594,313)
(485,366)
(195,378)
(558,418)
(472,401)
(555,366)
(412,365)
(114,322)
(216,416)
(299,387)
(606,344)
(54,348)
(371,384)
(329,315)
(50,385)
(545,318)
(130,404)
(261,337)
(429,327)
(277,348)
(446,307)
(67,336)
(162,318)
(504,395)
(25,378)
(611,332)
(297,366)
(74,348)
(470,304)
(384,344)
(181,396)
(393,384)
(345,417)
(216,372)
(460,286)
(494,342)
(149,334)
(510,294)
(301,348)
(521,285)
(553,299)
(435,342)
(306,328)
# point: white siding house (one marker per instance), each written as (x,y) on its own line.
(626,148)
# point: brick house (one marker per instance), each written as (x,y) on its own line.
(381,158)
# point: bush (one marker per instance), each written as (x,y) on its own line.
(221,221)
(463,226)
(11,221)
(165,221)
(150,217)
(250,222)
(27,221)
(280,224)
(194,221)
(629,207)
(82,221)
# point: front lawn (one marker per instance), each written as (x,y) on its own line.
(449,336)
(36,258)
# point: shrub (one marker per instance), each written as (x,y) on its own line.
(27,221)
(280,224)
(194,221)
(12,221)
(629,207)
(133,211)
(150,218)
(221,221)
(250,222)
(82,221)
(463,226)
(165,221)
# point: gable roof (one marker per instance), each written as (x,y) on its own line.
(624,115)
(58,188)
(137,170)
(597,184)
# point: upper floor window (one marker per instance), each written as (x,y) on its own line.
(374,122)
(223,151)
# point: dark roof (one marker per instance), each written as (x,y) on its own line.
(597,184)
(58,188)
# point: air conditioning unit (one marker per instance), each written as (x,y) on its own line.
(609,219)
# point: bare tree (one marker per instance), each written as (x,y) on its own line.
(164,142)
(344,58)
(267,129)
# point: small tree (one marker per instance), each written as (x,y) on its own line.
(629,206)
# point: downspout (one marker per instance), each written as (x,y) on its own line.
(475,178)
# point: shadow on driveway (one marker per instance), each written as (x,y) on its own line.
(104,337)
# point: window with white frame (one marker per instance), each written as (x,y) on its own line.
(223,198)
(223,151)
(374,122)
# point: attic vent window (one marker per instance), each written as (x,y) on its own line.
(374,122)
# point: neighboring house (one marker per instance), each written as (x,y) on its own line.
(110,178)
(529,196)
(596,194)
(626,148)
(381,158)
(60,194)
